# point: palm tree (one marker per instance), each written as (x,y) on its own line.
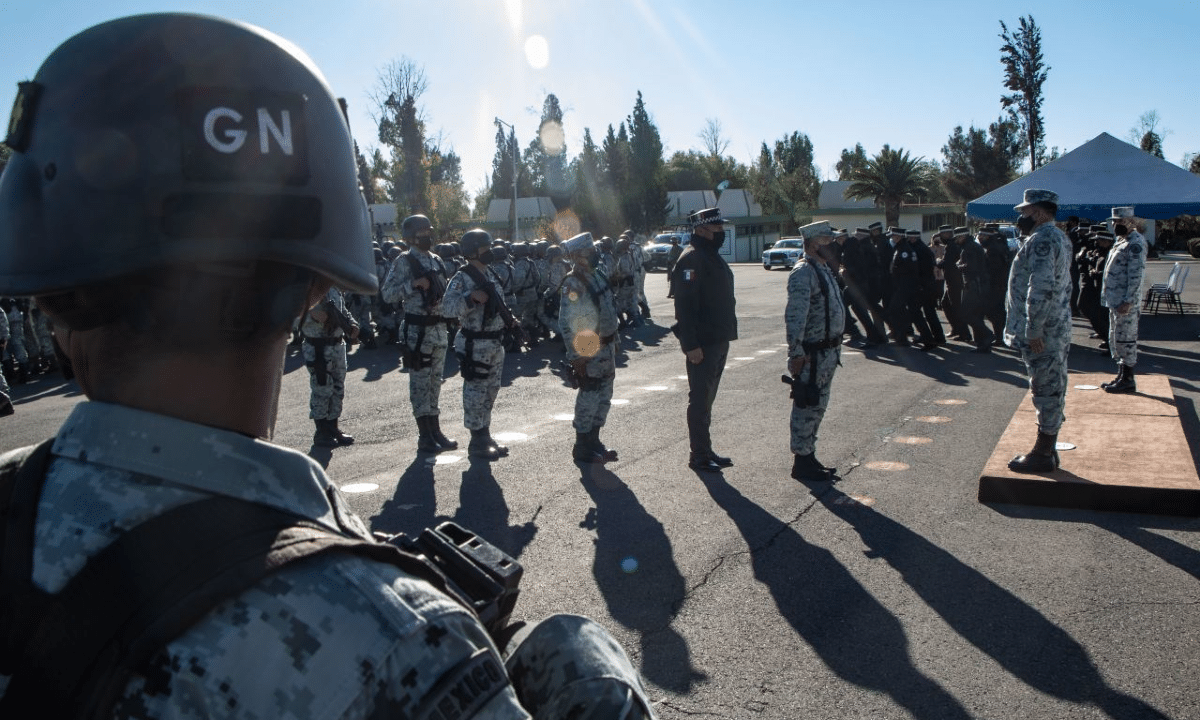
(889,178)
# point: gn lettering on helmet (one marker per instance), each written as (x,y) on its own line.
(228,140)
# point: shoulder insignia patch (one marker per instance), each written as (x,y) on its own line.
(464,689)
(1135,249)
(688,275)
(1041,249)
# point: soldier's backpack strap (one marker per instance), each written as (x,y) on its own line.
(75,651)
(18,508)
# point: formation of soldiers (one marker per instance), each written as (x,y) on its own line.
(894,284)
(485,298)
(26,347)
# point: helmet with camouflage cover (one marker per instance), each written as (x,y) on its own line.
(137,145)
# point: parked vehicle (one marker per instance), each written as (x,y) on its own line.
(660,247)
(785,253)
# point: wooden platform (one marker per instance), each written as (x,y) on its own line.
(1131,454)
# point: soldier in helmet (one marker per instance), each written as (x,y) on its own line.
(417,281)
(588,317)
(171,283)
(325,330)
(475,298)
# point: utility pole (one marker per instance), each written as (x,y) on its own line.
(512,208)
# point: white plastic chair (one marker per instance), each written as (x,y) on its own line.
(1173,293)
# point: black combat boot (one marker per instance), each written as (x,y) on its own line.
(806,468)
(1042,458)
(608,455)
(703,462)
(720,459)
(1119,377)
(341,437)
(435,429)
(482,446)
(6,406)
(584,451)
(426,442)
(324,436)
(1124,382)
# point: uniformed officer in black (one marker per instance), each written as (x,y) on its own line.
(705,325)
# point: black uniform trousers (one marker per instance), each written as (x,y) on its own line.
(703,379)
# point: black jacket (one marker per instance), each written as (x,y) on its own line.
(704,302)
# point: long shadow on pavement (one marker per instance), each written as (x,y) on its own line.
(635,571)
(1016,636)
(852,632)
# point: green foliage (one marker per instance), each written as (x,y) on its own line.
(889,178)
(1025,72)
(546,157)
(785,180)
(645,198)
(978,161)
(5,154)
(851,160)
(591,192)
(694,170)
(1152,143)
(1194,165)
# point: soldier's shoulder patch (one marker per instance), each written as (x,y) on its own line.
(1041,249)
(464,689)
(1135,248)
(688,275)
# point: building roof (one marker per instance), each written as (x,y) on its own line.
(531,208)
(833,197)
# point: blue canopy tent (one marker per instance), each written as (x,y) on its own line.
(1097,176)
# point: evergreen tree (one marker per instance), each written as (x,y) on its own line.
(785,180)
(1152,143)
(590,187)
(1024,73)
(979,161)
(646,198)
(851,160)
(365,181)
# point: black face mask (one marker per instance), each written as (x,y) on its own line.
(424,242)
(1120,230)
(486,257)
(1025,224)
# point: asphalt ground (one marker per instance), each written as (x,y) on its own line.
(891,593)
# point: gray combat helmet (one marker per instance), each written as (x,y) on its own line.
(171,139)
(473,241)
(414,224)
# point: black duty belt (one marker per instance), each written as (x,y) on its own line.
(822,345)
(322,342)
(606,339)
(482,335)
(424,320)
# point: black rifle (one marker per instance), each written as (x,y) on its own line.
(495,303)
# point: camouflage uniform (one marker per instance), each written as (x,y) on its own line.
(815,313)
(556,272)
(423,333)
(5,392)
(1038,305)
(336,636)
(588,317)
(16,335)
(624,282)
(325,357)
(1123,272)
(639,269)
(482,334)
(525,279)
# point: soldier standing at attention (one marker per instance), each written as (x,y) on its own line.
(172,284)
(1038,325)
(815,317)
(705,323)
(588,317)
(325,329)
(475,299)
(672,258)
(417,282)
(1123,272)
(975,286)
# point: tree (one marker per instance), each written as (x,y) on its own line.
(1147,134)
(645,200)
(711,137)
(694,170)
(1152,143)
(546,157)
(851,161)
(785,180)
(412,176)
(5,155)
(1192,162)
(889,178)
(396,81)
(591,190)
(1024,73)
(979,161)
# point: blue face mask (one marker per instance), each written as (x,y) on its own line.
(1025,224)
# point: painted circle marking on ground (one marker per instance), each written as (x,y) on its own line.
(767,352)
(850,352)
(657,388)
(616,401)
(364,487)
(448,459)
(512,436)
(886,465)
(1064,446)
(629,565)
(912,440)
(950,402)
(1087,387)
(743,358)
(681,377)
(566,417)
(932,419)
(855,500)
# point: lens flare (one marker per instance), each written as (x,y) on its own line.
(629,565)
(537,52)
(552,136)
(587,343)
(566,224)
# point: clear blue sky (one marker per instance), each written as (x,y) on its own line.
(870,71)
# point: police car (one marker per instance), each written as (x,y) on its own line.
(785,253)
(659,249)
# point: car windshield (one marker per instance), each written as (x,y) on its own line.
(789,244)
